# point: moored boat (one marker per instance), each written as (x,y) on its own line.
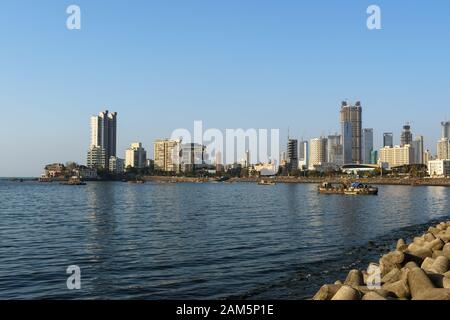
(357,188)
(330,188)
(264,182)
(74,181)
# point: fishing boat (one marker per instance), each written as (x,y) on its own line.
(263,182)
(331,188)
(357,188)
(74,181)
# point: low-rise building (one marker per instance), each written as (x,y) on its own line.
(397,156)
(439,168)
(116,165)
(54,170)
(136,156)
(84,172)
(265,169)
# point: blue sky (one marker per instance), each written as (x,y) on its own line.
(233,64)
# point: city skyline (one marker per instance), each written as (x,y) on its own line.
(233,65)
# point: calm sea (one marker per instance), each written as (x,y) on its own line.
(197,240)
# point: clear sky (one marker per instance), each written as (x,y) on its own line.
(233,64)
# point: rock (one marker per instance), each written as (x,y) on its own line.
(401,245)
(429,237)
(437,253)
(326,292)
(419,241)
(392,276)
(436,244)
(399,288)
(354,278)
(390,261)
(433,230)
(434,294)
(444,236)
(446,282)
(410,265)
(347,293)
(418,282)
(338,282)
(384,293)
(440,265)
(421,252)
(372,295)
(427,264)
(446,250)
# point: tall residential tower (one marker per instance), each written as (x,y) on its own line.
(351,126)
(103,139)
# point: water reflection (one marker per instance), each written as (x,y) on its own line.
(168,241)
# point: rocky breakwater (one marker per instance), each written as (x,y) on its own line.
(417,271)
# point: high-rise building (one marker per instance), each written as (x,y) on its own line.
(347,151)
(374,157)
(292,154)
(367,145)
(351,126)
(167,155)
(417,145)
(96,158)
(388,139)
(445,129)
(135,156)
(334,153)
(303,155)
(192,157)
(443,149)
(318,152)
(104,132)
(406,136)
(397,156)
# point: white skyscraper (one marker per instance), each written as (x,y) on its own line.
(103,136)
(303,155)
(318,152)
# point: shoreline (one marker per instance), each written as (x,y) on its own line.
(415,271)
(436,182)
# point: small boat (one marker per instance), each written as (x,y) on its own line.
(266,182)
(357,188)
(138,181)
(221,179)
(330,188)
(74,181)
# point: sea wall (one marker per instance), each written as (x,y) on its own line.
(415,271)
